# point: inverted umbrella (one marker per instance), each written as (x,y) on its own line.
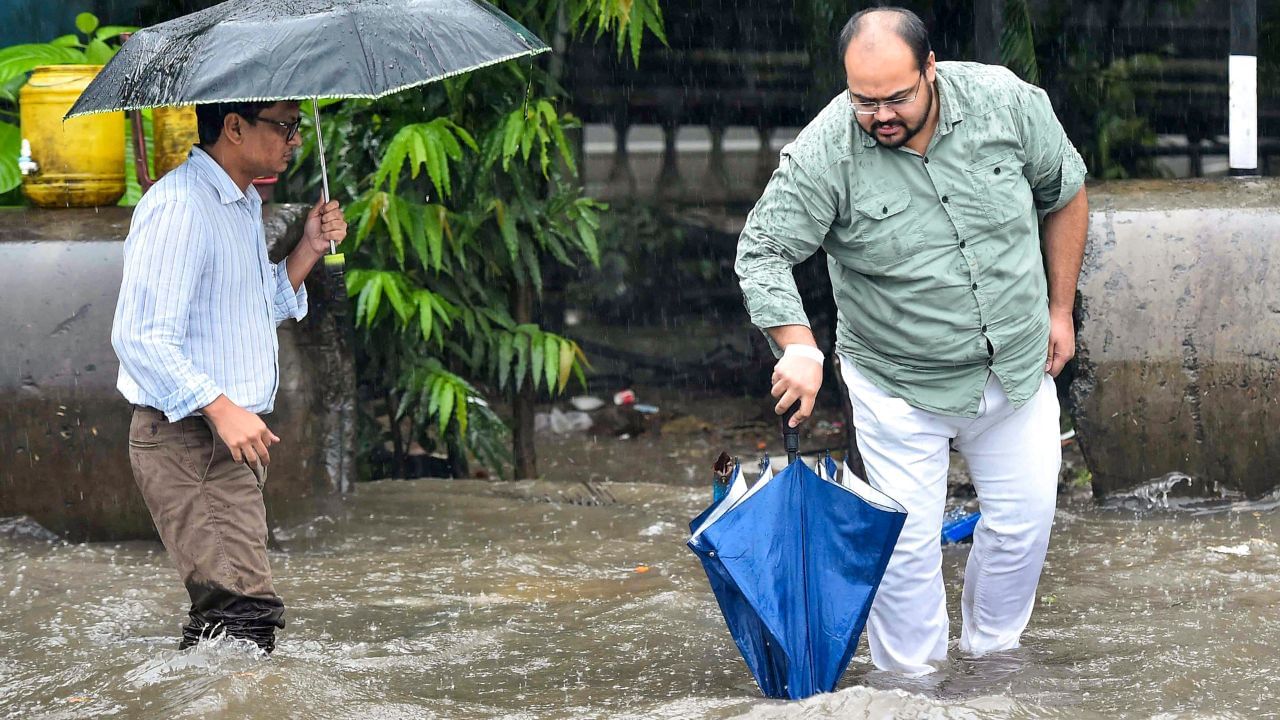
(794,563)
(271,50)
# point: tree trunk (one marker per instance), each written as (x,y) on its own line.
(458,462)
(398,448)
(522,403)
(523,454)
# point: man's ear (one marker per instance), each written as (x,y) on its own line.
(233,128)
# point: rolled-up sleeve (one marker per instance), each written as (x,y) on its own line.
(787,225)
(165,254)
(1053,167)
(288,304)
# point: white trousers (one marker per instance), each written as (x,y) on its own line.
(1014,456)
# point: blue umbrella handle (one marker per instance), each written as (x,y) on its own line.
(791,435)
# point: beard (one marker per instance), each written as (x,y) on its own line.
(909,131)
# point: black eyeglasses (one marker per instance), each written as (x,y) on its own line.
(290,128)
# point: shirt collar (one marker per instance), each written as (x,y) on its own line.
(228,191)
(948,110)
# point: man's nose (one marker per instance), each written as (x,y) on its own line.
(883,113)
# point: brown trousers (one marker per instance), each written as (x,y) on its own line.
(210,515)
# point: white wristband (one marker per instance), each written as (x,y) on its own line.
(805,351)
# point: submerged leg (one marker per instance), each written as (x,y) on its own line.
(905,452)
(1014,458)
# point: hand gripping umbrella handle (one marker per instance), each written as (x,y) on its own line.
(791,435)
(335,262)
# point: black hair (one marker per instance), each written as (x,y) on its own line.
(209,117)
(909,27)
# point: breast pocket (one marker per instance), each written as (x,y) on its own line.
(885,229)
(1000,187)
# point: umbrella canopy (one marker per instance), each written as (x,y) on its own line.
(268,50)
(794,563)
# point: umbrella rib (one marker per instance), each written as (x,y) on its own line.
(368,69)
(804,571)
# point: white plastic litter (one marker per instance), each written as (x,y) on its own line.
(586,403)
(567,422)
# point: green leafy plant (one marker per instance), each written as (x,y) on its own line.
(1105,99)
(463,193)
(1017,43)
(92,44)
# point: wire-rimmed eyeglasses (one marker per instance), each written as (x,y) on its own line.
(871,108)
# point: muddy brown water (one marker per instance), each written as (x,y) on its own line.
(473,599)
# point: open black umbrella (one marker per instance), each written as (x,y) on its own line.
(268,50)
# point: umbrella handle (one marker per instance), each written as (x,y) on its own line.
(791,435)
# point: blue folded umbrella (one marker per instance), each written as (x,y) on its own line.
(794,562)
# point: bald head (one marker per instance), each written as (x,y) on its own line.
(876,31)
(890,73)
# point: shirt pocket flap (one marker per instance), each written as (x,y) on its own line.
(995,165)
(884,204)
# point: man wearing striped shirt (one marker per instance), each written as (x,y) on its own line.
(195,331)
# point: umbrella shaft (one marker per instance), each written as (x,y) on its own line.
(324,169)
(790,435)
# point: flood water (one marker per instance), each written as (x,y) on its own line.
(470,599)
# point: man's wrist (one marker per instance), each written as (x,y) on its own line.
(217,408)
(805,351)
(305,250)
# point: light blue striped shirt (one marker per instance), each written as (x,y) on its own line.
(200,301)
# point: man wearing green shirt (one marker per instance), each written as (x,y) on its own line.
(926,184)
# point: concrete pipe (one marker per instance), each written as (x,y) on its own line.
(64,457)
(1179,335)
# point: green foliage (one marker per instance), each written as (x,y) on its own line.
(1017,43)
(1105,95)
(626,19)
(93,46)
(442,397)
(637,237)
(132,188)
(431,145)
(462,192)
(1095,94)
(10,145)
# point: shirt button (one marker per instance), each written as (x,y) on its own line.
(990,363)
(946,199)
(984,328)
(961,243)
(926,161)
(997,171)
(975,286)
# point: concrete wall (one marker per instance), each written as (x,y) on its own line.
(1179,338)
(63,427)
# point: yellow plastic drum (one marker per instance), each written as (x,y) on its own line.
(174,132)
(81,161)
